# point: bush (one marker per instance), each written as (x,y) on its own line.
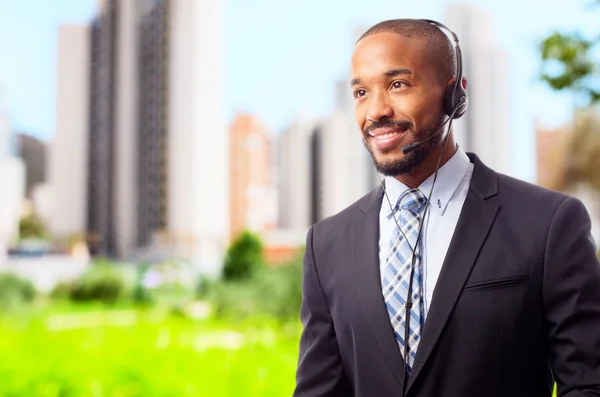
(103,282)
(31,227)
(244,258)
(273,291)
(15,291)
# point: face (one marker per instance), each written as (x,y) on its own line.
(395,84)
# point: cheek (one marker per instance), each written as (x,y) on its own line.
(416,109)
(360,116)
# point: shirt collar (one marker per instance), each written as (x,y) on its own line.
(449,177)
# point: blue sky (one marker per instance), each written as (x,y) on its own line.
(282,57)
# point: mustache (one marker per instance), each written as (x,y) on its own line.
(387,123)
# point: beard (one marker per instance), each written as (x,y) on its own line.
(412,160)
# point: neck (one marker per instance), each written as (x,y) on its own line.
(427,168)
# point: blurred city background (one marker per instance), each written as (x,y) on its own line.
(162,160)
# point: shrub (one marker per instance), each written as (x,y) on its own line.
(103,282)
(244,257)
(273,291)
(15,291)
(31,227)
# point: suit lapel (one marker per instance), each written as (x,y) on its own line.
(474,224)
(365,243)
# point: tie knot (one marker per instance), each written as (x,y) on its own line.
(412,200)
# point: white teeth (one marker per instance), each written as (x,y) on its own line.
(386,135)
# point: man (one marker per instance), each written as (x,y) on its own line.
(504,278)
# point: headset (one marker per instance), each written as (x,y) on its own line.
(455,104)
(456,100)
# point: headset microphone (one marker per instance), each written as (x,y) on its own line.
(413,146)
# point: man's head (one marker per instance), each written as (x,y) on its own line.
(400,70)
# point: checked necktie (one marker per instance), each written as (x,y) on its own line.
(396,276)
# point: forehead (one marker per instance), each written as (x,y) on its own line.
(380,52)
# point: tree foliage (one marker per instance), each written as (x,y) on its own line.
(31,226)
(244,257)
(583,165)
(568,63)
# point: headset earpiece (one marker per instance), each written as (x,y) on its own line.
(455,96)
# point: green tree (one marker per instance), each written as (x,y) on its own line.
(244,257)
(568,64)
(31,226)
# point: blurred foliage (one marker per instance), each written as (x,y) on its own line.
(585,142)
(102,282)
(31,226)
(130,353)
(273,291)
(15,291)
(568,64)
(244,257)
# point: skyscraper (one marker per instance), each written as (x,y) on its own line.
(486,127)
(68,160)
(126,125)
(342,165)
(101,140)
(197,139)
(252,204)
(33,152)
(158,142)
(296,176)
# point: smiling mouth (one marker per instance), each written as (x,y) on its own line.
(385,136)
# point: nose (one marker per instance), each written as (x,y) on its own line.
(379,108)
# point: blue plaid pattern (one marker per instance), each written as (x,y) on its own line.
(397,273)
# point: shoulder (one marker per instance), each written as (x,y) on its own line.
(339,225)
(514,195)
(539,207)
(528,193)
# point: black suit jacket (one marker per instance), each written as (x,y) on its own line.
(516,305)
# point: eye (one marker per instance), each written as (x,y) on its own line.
(360,92)
(399,84)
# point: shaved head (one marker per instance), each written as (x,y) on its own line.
(441,50)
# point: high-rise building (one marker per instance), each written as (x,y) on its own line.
(297,169)
(158,143)
(197,139)
(342,165)
(126,66)
(68,161)
(252,204)
(486,127)
(152,147)
(101,141)
(33,152)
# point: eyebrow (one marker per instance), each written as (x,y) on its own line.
(390,73)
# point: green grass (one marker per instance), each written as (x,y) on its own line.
(86,350)
(127,353)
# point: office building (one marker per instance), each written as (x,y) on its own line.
(33,153)
(101,137)
(252,203)
(68,154)
(158,149)
(125,90)
(297,169)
